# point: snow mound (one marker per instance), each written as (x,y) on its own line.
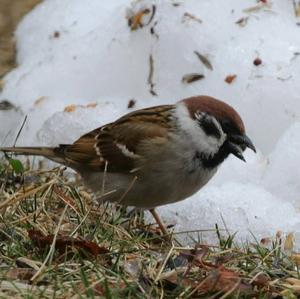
(80,65)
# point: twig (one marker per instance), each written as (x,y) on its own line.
(18,135)
(150,76)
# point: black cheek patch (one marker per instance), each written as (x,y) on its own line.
(209,127)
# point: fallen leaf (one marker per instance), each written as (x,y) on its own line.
(70,108)
(230,78)
(73,107)
(24,274)
(189,78)
(91,105)
(204,60)
(135,20)
(62,242)
(224,280)
(261,281)
(39,101)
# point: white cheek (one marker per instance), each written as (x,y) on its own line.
(208,145)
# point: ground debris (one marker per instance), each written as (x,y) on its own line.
(242,21)
(296,5)
(150,76)
(262,5)
(127,262)
(204,60)
(188,16)
(131,103)
(62,242)
(7,105)
(136,19)
(230,78)
(193,77)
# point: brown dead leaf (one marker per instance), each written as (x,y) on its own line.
(135,20)
(70,108)
(190,78)
(73,107)
(261,281)
(91,105)
(62,242)
(174,278)
(24,274)
(230,78)
(196,255)
(224,280)
(39,101)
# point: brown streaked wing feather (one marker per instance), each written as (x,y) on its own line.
(117,143)
(82,152)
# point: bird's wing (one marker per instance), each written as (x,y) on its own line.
(115,146)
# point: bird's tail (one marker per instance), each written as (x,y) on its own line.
(52,153)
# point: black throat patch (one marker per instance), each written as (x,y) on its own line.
(217,158)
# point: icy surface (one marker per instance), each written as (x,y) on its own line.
(80,64)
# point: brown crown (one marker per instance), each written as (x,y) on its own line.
(219,109)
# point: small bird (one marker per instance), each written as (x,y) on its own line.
(154,156)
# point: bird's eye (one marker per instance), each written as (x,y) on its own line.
(209,124)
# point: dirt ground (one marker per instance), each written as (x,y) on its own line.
(11,12)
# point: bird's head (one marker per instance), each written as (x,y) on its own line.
(214,127)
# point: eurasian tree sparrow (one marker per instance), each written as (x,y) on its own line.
(154,156)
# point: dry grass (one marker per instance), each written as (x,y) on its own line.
(11,11)
(57,242)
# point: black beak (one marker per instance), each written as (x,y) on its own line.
(238,143)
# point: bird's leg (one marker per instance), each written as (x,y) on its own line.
(159,222)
